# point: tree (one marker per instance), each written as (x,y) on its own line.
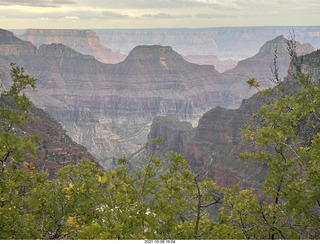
(149,203)
(14,144)
(287,140)
(15,185)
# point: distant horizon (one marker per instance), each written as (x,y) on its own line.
(167,28)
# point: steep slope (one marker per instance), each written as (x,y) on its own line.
(83,41)
(212,147)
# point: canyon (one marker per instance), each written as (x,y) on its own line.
(108,108)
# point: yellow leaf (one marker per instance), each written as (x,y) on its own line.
(101,179)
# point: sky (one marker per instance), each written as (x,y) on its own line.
(137,14)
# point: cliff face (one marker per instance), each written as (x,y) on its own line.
(212,147)
(83,41)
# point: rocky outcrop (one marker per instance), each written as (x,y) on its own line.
(211,148)
(83,41)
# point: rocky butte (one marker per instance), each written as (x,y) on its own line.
(108,108)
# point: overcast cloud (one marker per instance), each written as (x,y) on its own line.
(37,3)
(20,14)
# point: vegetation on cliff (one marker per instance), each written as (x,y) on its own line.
(84,202)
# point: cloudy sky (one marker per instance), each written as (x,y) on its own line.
(94,14)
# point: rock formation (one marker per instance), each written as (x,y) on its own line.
(83,41)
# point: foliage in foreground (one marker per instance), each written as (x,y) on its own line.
(84,202)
